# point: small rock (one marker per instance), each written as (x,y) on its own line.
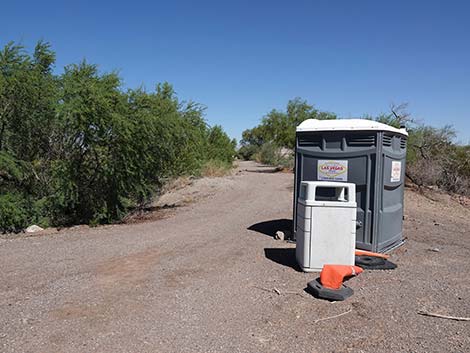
(279,235)
(434,249)
(27,321)
(33,229)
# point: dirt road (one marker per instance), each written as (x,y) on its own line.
(203,280)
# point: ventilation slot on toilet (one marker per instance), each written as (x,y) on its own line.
(403,143)
(387,140)
(310,141)
(361,141)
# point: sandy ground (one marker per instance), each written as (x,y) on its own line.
(202,279)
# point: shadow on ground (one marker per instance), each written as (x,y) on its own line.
(265,169)
(271,227)
(282,256)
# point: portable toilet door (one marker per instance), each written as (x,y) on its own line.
(367,153)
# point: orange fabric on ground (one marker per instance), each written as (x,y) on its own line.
(370,253)
(332,276)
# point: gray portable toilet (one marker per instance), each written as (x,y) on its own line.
(367,153)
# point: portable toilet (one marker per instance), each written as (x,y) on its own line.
(367,153)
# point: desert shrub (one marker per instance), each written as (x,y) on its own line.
(13,172)
(220,146)
(77,148)
(455,176)
(119,150)
(18,210)
(14,215)
(272,141)
(428,150)
(268,154)
(271,154)
(286,160)
(40,212)
(278,127)
(433,159)
(247,152)
(216,168)
(96,166)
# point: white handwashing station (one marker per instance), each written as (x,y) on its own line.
(326,224)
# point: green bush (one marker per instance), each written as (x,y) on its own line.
(269,142)
(247,152)
(40,212)
(433,159)
(14,215)
(221,147)
(271,154)
(268,154)
(279,127)
(82,150)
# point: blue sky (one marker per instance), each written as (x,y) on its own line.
(243,58)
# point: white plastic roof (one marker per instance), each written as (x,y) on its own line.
(347,125)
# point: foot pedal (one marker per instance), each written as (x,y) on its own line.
(374,263)
(318,291)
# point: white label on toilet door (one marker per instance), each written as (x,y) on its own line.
(396,171)
(332,170)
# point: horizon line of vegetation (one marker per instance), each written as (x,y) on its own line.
(433,158)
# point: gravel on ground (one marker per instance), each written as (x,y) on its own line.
(210,277)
